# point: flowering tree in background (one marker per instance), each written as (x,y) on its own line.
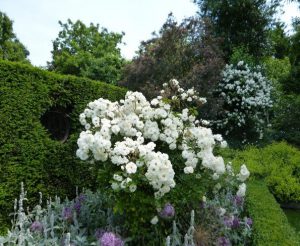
(246,95)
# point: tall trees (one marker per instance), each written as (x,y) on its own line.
(87,51)
(10,47)
(287,111)
(292,85)
(184,51)
(240,22)
(280,42)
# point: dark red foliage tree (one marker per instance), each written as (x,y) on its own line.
(187,52)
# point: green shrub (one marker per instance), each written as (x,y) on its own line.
(270,225)
(241,53)
(277,70)
(27,153)
(277,163)
(286,120)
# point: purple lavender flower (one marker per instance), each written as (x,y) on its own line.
(228,221)
(110,239)
(235,223)
(36,226)
(81,198)
(223,241)
(249,222)
(238,201)
(99,233)
(202,205)
(67,214)
(77,206)
(78,202)
(167,212)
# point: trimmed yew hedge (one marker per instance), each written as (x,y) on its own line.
(27,152)
(270,225)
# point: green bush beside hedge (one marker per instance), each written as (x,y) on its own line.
(277,163)
(27,153)
(270,225)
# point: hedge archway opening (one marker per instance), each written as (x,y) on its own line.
(57,122)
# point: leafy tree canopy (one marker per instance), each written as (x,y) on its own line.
(10,47)
(185,51)
(280,42)
(292,84)
(87,51)
(241,22)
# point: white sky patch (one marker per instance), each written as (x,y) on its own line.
(36,21)
(291,10)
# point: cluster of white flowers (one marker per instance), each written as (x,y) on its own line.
(124,133)
(176,92)
(247,95)
(242,190)
(244,173)
(242,176)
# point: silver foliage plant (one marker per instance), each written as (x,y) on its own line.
(58,224)
(175,238)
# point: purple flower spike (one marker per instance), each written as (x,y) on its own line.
(228,222)
(202,205)
(99,233)
(67,214)
(36,226)
(223,241)
(78,202)
(249,221)
(77,206)
(168,211)
(238,201)
(81,198)
(110,239)
(235,223)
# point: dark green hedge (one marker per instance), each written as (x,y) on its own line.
(270,225)
(27,153)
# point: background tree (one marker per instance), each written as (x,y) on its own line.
(186,51)
(87,51)
(10,47)
(280,42)
(240,23)
(287,112)
(292,84)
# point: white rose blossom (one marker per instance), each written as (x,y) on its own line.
(137,124)
(244,173)
(154,220)
(242,190)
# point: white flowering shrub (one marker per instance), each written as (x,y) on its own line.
(247,100)
(89,219)
(147,147)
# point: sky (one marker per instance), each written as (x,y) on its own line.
(36,21)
